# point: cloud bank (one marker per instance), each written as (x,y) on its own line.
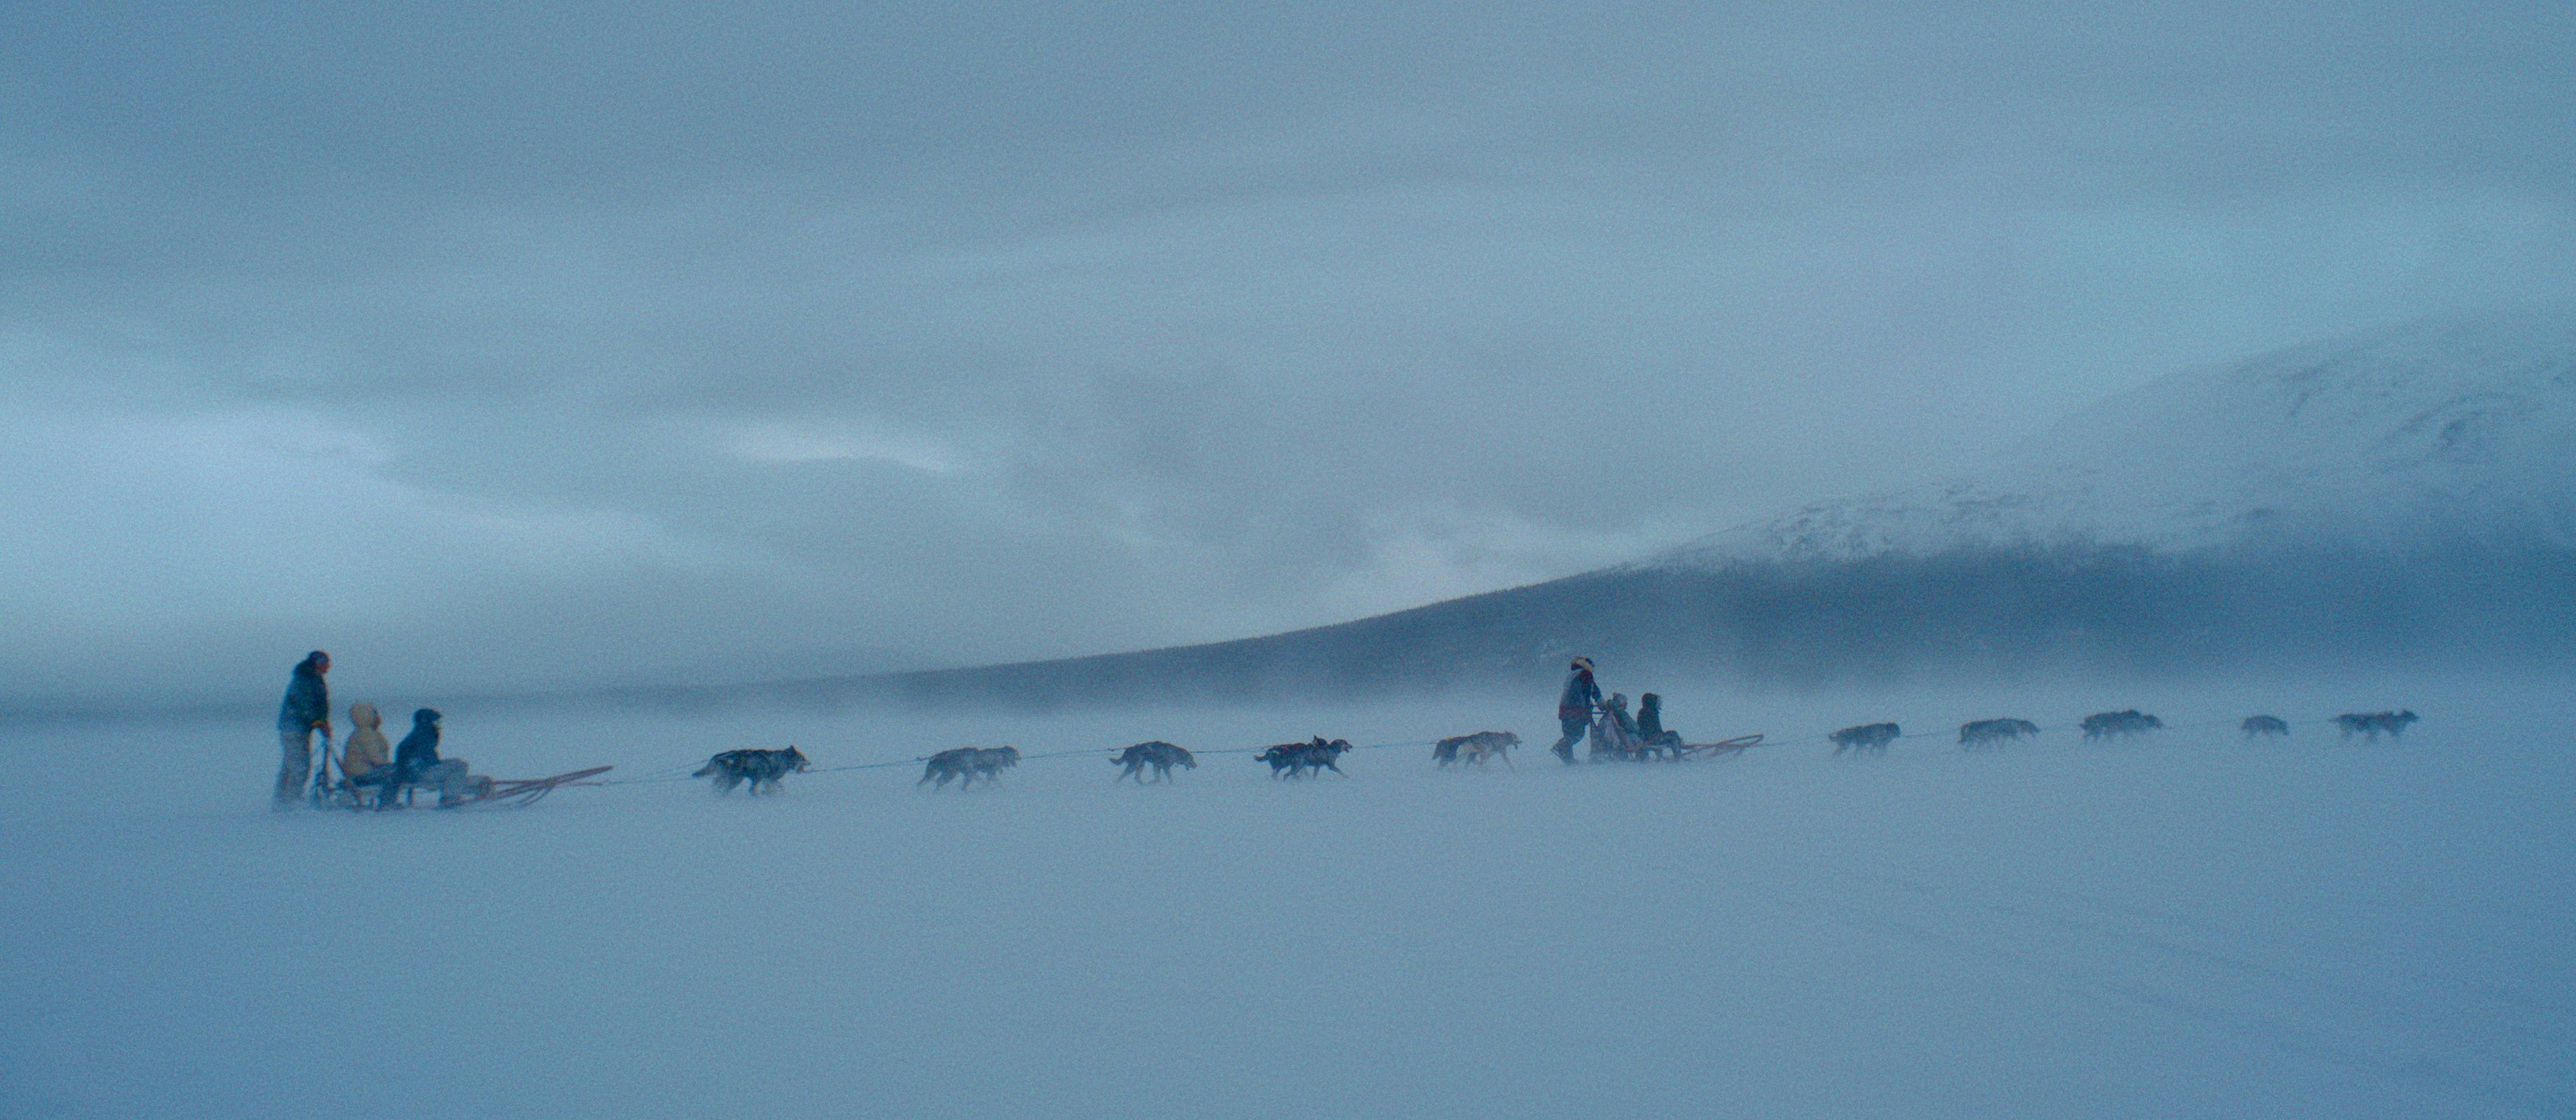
(547,344)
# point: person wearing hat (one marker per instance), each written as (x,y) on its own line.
(1574,708)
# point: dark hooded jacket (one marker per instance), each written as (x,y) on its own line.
(308,700)
(1650,716)
(1580,696)
(418,751)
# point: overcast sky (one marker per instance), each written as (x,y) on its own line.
(532,344)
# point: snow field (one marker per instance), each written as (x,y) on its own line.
(2183,926)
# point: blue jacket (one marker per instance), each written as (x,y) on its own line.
(1580,695)
(308,700)
(418,751)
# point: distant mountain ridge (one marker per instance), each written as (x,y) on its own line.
(2405,493)
(2437,427)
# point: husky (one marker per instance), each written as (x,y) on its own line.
(1871,737)
(1988,732)
(2372,723)
(2256,727)
(1297,760)
(967,763)
(1160,755)
(2117,725)
(761,768)
(1475,748)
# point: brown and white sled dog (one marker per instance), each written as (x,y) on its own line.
(968,764)
(1475,748)
(761,768)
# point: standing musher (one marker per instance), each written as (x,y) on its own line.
(1574,708)
(307,709)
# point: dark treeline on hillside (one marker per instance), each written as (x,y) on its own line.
(1988,613)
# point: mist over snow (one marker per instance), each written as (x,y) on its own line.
(637,382)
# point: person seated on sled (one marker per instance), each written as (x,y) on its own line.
(416,763)
(1574,708)
(1616,733)
(1650,724)
(366,763)
(1617,713)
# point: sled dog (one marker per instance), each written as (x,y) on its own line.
(1297,760)
(2372,723)
(1871,737)
(968,763)
(1988,732)
(1160,755)
(1476,748)
(2115,725)
(761,768)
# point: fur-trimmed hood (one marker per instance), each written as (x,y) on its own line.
(366,749)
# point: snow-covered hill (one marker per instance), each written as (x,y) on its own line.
(2442,427)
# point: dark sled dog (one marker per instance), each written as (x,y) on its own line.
(1988,732)
(1475,748)
(2256,727)
(2118,725)
(1870,737)
(1158,754)
(2372,723)
(761,768)
(969,763)
(1297,760)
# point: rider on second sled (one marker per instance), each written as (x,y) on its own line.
(1618,736)
(1615,734)
(1650,724)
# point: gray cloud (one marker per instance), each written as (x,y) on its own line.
(564,343)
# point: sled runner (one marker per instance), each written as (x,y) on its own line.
(1735,745)
(523,792)
(1610,742)
(515,792)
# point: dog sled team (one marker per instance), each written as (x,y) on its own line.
(1613,735)
(370,774)
(373,773)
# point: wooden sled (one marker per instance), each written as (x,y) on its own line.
(519,793)
(1735,745)
(1610,743)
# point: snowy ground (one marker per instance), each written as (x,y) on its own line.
(2189,926)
